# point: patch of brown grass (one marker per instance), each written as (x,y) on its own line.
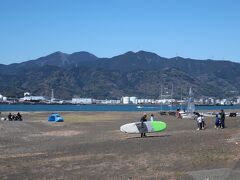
(99,116)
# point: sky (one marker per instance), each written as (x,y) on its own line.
(198,29)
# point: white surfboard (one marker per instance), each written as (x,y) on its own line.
(147,127)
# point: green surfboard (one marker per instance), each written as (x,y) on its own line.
(158,125)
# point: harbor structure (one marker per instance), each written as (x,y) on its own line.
(30,98)
(82,101)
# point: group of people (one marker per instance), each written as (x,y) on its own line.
(13,117)
(200,122)
(144,119)
(220,120)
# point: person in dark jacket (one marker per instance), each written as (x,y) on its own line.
(19,117)
(222,115)
(203,122)
(10,117)
(142,120)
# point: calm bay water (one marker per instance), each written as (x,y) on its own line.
(52,108)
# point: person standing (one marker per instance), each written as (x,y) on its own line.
(222,116)
(142,120)
(199,122)
(217,121)
(152,117)
(203,122)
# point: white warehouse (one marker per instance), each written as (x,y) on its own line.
(125,100)
(82,100)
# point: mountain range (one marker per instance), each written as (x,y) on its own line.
(142,74)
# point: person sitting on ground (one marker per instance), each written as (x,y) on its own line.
(10,117)
(14,117)
(19,116)
(142,120)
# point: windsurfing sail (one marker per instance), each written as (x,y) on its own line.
(190,102)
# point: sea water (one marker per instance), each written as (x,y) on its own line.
(94,107)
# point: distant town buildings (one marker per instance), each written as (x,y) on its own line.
(82,101)
(32,98)
(129,100)
(28,98)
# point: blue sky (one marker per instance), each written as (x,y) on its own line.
(199,29)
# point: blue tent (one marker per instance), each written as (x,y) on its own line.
(54,117)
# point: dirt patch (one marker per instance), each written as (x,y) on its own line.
(25,155)
(59,133)
(234,139)
(213,174)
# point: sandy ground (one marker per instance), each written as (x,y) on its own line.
(89,145)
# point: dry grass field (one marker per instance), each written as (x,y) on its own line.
(89,145)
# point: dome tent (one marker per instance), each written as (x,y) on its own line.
(55,117)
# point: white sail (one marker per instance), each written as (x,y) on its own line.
(189,114)
(190,105)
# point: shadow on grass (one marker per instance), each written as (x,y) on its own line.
(150,136)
